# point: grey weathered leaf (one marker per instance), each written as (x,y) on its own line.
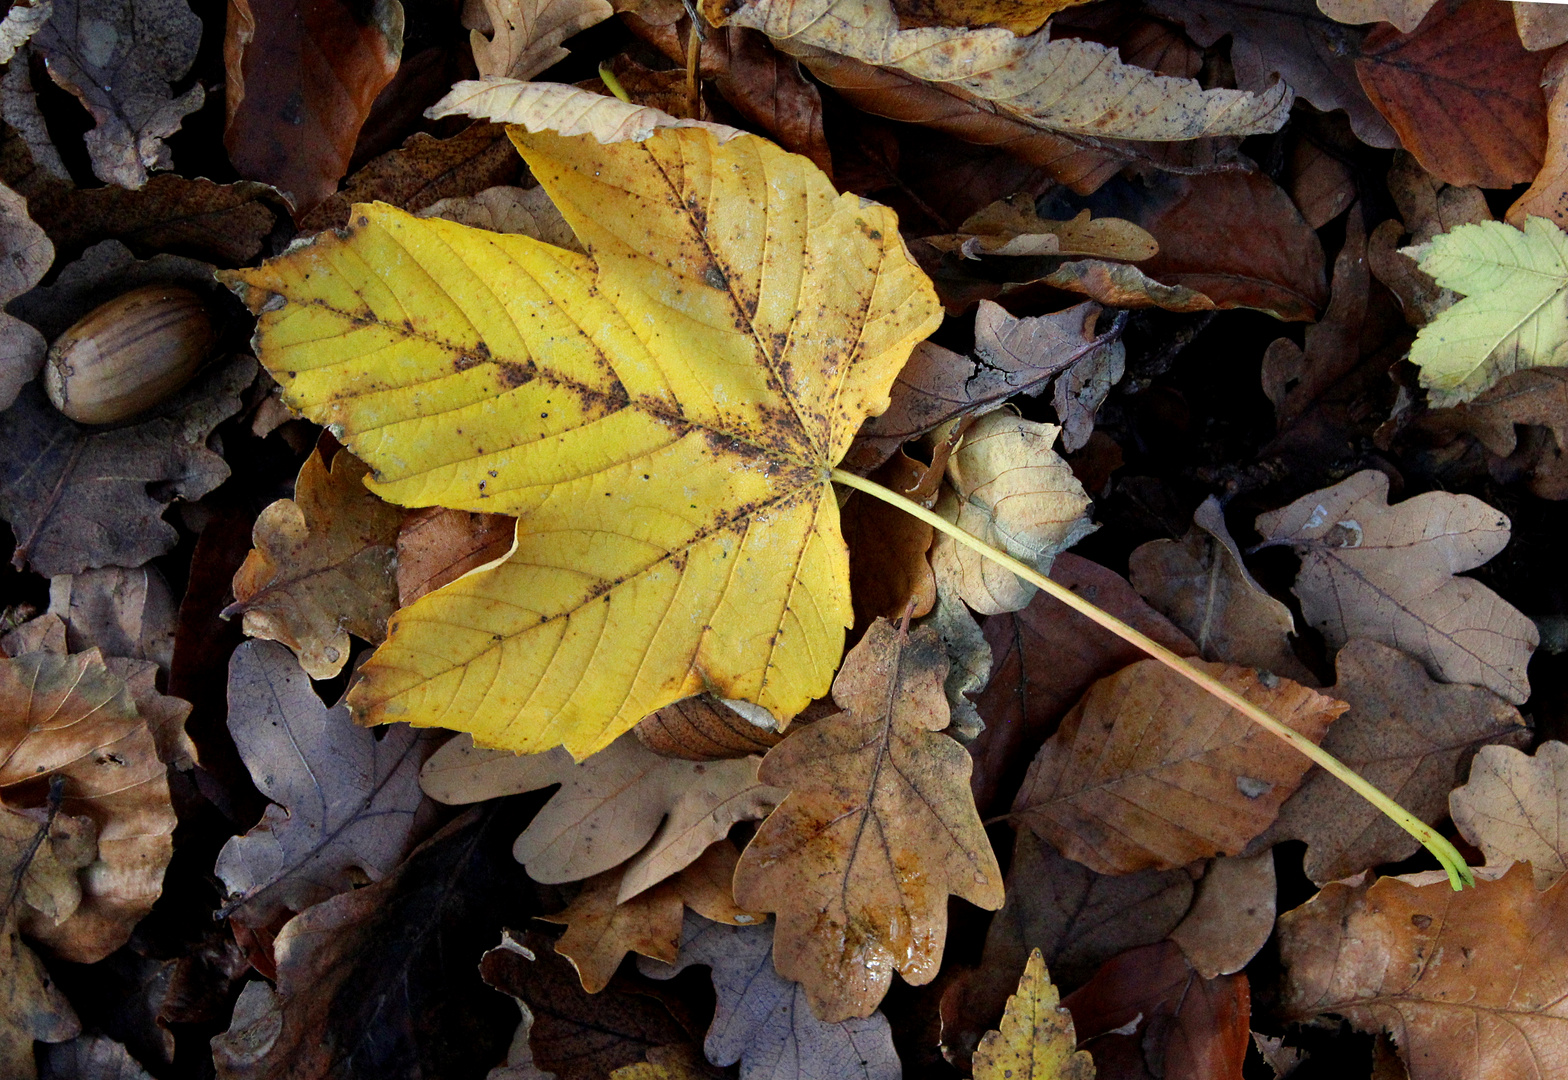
(1514,807)
(80,497)
(29,254)
(347,804)
(763,1020)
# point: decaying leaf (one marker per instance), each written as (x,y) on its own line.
(1201,583)
(34,1009)
(1470,983)
(1232,916)
(1540,27)
(1428,207)
(622,802)
(1408,736)
(1512,316)
(1014,492)
(763,1021)
(535,652)
(31,253)
(1462,92)
(969,662)
(1147,1015)
(703,728)
(527,34)
(1388,573)
(346,804)
(1045,657)
(1014,227)
(21,23)
(1076,918)
(567,110)
(321,568)
(1405,15)
(119,59)
(81,497)
(1512,808)
(1036,1040)
(125,613)
(301,78)
(69,717)
(878,828)
(1147,771)
(1064,85)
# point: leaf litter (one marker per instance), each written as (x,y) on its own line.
(767,732)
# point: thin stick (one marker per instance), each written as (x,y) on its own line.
(1459,873)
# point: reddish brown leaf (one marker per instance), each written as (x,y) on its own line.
(301,78)
(436,546)
(703,728)
(1548,196)
(888,568)
(1462,92)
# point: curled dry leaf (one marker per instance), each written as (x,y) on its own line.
(1064,85)
(119,59)
(878,829)
(1147,771)
(424,171)
(1036,1040)
(1408,736)
(1461,91)
(1470,983)
(1232,916)
(1045,657)
(763,1021)
(1512,808)
(622,802)
(521,211)
(301,79)
(31,253)
(436,546)
(526,35)
(322,566)
(1389,573)
(1015,493)
(81,497)
(346,805)
(1428,207)
(1014,227)
(1201,583)
(1077,919)
(70,717)
(566,110)
(703,728)
(747,612)
(21,22)
(1191,1028)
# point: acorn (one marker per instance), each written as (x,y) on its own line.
(129,354)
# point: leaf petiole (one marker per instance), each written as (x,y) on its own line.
(1459,874)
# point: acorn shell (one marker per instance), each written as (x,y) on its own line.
(129,354)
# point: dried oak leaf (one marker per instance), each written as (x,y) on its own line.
(1077,919)
(878,829)
(1540,27)
(763,1021)
(1202,585)
(1462,92)
(346,804)
(322,567)
(1148,771)
(1548,195)
(301,79)
(1512,808)
(1044,657)
(1010,489)
(1389,573)
(119,59)
(1428,207)
(1232,916)
(436,546)
(1407,735)
(703,728)
(1291,41)
(1534,396)
(1036,1040)
(1470,984)
(80,497)
(1063,85)
(732,430)
(380,982)
(30,254)
(527,34)
(577,1035)
(1012,356)
(70,717)
(1013,227)
(622,802)
(1191,1028)
(424,171)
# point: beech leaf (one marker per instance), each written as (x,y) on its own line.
(1036,1040)
(1512,808)
(878,829)
(322,566)
(763,1021)
(1389,573)
(628,420)
(1147,771)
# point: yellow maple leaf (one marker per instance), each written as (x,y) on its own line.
(661,415)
